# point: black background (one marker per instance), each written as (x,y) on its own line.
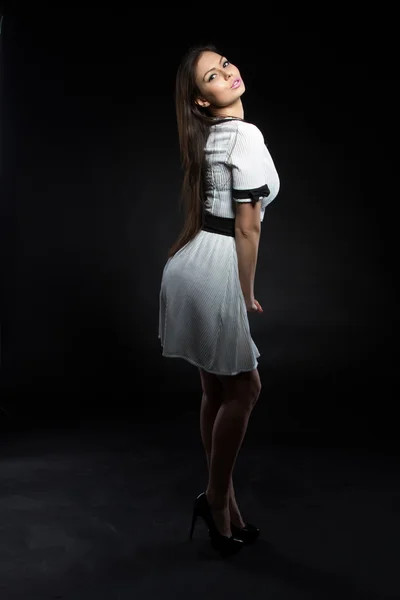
(90,178)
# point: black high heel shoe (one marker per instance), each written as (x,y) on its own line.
(248,534)
(225,545)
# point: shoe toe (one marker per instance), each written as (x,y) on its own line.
(249,533)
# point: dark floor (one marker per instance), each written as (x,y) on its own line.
(104,512)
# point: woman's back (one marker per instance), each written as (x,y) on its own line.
(236,158)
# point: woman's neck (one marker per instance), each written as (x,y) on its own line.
(235,110)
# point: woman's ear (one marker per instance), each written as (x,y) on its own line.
(202,102)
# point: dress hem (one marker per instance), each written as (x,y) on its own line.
(192,362)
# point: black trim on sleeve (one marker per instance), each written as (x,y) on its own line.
(255,194)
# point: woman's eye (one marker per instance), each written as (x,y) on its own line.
(225,63)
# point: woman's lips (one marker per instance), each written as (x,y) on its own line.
(236,83)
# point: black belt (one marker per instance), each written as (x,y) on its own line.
(222,225)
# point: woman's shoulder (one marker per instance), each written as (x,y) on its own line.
(237,136)
(240,127)
(249,130)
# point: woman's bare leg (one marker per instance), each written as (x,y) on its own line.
(240,395)
(208,413)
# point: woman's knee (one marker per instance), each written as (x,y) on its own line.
(245,387)
(255,387)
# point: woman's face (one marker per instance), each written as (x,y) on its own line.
(218,80)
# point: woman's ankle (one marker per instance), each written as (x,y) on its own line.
(217,501)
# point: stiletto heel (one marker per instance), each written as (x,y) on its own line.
(225,545)
(194,519)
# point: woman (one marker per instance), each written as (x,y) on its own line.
(207,284)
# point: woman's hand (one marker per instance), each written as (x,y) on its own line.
(254,306)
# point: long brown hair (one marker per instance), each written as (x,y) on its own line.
(193,129)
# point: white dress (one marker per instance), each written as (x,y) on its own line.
(202,312)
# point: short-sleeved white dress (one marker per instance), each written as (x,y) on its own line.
(202,312)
